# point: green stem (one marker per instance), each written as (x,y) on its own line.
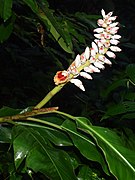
(34,112)
(43,122)
(54,91)
(65,114)
(3,120)
(131,82)
(30,119)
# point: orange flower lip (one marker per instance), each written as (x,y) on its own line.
(61,77)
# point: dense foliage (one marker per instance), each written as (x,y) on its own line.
(91,135)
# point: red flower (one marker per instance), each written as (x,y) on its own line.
(61,77)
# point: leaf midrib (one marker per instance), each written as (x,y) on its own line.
(78,135)
(46,152)
(108,143)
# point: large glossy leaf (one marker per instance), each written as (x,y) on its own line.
(85,145)
(40,155)
(53,163)
(121,160)
(5,9)
(22,143)
(55,136)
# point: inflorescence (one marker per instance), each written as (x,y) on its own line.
(94,58)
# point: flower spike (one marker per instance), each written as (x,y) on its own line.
(94,58)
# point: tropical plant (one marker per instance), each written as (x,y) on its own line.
(40,142)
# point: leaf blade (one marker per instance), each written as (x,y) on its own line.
(30,144)
(5,9)
(111,145)
(85,145)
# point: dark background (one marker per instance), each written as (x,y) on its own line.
(26,72)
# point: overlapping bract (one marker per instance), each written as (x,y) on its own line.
(93,59)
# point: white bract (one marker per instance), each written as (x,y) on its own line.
(94,58)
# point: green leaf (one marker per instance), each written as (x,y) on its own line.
(15,177)
(55,136)
(85,145)
(5,9)
(6,29)
(131,72)
(128,116)
(22,143)
(130,96)
(54,119)
(121,160)
(40,155)
(85,173)
(5,32)
(129,45)
(55,30)
(128,137)
(32,4)
(6,162)
(5,134)
(114,85)
(87,19)
(45,14)
(59,138)
(121,108)
(7,111)
(55,164)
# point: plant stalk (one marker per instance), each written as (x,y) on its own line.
(54,91)
(23,116)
